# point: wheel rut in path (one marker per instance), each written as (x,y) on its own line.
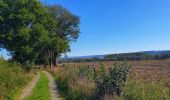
(52,87)
(28,89)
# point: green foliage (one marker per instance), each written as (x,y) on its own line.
(66,30)
(85,72)
(15,31)
(113,81)
(135,89)
(67,23)
(28,65)
(12,78)
(32,32)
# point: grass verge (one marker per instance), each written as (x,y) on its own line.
(41,90)
(12,79)
(72,87)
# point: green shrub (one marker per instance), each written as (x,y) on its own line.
(28,66)
(112,81)
(12,78)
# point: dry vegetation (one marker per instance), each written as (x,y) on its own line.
(147,80)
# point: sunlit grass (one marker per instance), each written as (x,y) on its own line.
(41,90)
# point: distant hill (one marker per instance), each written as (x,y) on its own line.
(156,52)
(90,56)
(143,55)
(102,56)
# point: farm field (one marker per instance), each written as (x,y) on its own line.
(148,69)
(144,63)
(159,67)
(147,80)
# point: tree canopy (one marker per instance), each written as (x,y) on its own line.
(31,31)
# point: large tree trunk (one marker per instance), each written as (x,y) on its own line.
(50,62)
(55,60)
(50,58)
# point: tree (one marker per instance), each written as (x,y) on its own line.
(16,16)
(23,25)
(67,29)
(36,33)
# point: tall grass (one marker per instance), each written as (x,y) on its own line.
(147,86)
(139,90)
(72,84)
(12,79)
(77,83)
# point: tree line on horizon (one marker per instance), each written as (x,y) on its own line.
(34,32)
(121,57)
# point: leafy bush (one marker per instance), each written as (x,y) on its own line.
(112,81)
(28,65)
(12,78)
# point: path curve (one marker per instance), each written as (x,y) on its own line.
(28,89)
(52,86)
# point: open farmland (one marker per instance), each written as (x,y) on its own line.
(147,80)
(148,69)
(160,67)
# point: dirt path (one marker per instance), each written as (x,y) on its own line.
(28,89)
(52,86)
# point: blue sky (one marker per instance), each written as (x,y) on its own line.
(116,26)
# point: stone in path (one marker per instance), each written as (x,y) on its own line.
(52,87)
(27,91)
